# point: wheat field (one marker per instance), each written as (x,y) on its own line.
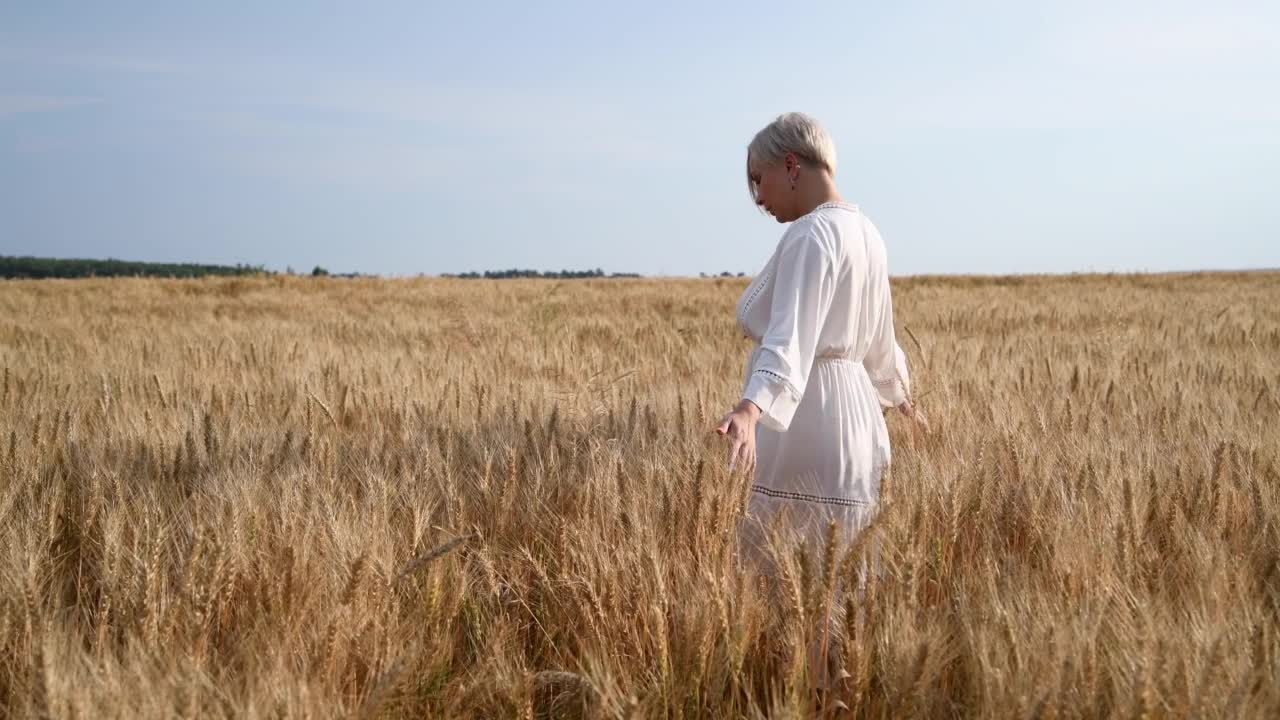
(296,497)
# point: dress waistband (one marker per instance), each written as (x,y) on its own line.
(824,356)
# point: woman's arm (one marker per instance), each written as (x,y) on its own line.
(804,286)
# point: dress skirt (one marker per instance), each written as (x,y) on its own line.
(825,467)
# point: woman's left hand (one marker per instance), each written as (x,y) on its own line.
(740,426)
(919,424)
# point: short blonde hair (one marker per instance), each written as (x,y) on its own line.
(796,133)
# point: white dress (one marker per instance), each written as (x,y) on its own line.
(825,363)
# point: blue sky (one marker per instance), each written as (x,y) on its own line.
(423,137)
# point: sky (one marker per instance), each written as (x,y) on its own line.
(409,138)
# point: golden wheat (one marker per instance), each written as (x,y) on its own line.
(407,498)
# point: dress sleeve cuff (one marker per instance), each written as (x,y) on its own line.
(891,392)
(894,388)
(776,401)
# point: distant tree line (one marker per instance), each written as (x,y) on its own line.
(562,275)
(34,267)
(321,272)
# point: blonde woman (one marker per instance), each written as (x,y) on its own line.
(810,422)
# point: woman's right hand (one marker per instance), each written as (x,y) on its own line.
(739,425)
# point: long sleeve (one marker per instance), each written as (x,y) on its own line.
(886,363)
(804,286)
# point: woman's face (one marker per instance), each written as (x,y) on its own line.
(771,184)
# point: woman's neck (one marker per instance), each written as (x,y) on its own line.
(819,190)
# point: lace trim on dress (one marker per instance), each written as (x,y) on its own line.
(778,379)
(892,383)
(742,314)
(837,204)
(787,495)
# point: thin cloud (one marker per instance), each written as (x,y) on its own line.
(1211,40)
(282,126)
(1107,68)
(19,104)
(91,61)
(542,123)
(34,146)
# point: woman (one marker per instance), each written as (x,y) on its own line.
(810,423)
